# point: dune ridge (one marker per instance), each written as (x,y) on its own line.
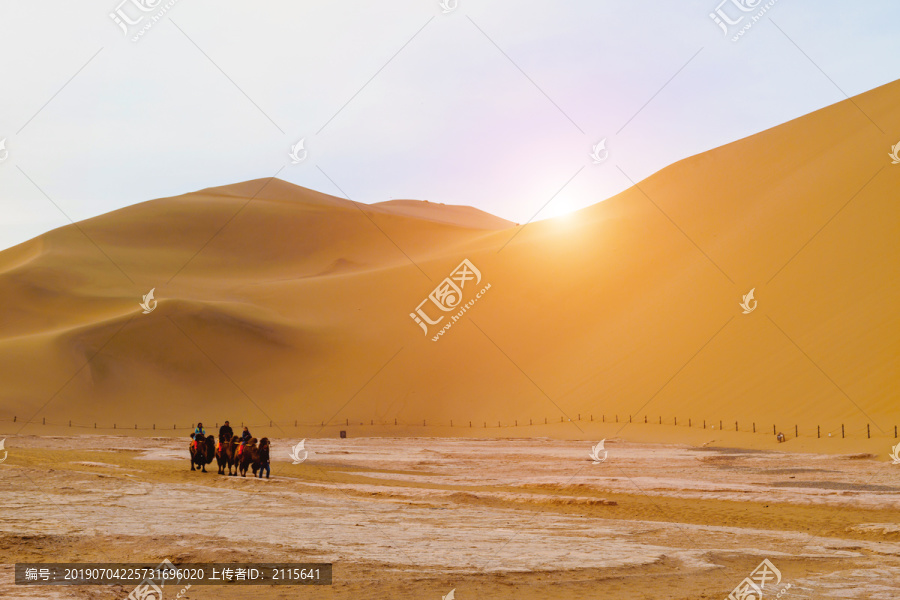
(285,304)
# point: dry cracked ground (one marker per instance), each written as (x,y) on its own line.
(418,517)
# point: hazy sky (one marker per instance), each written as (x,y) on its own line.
(494,104)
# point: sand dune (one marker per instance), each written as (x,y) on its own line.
(285,304)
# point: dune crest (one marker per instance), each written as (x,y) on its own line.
(285,304)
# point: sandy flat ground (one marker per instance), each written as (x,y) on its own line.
(417,517)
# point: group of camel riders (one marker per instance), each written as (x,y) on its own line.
(226,433)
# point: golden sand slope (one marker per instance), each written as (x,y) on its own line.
(277,302)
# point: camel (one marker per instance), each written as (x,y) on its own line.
(261,457)
(233,453)
(225,454)
(204,453)
(245,458)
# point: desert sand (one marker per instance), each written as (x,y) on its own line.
(465,463)
(491,518)
(277,303)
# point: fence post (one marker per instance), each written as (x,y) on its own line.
(773,430)
(795,432)
(868,431)
(676,420)
(470,423)
(44,421)
(754,428)
(617,418)
(660,420)
(895,432)
(579,416)
(645,419)
(842,431)
(451,422)
(818,431)
(735,426)
(154,427)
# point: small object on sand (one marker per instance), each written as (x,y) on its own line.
(780,437)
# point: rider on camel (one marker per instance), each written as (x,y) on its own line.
(225,432)
(245,439)
(198,434)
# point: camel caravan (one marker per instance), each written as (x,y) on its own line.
(238,453)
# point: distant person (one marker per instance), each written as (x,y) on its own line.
(264,458)
(225,432)
(245,439)
(198,435)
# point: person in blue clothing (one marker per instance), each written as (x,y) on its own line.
(245,439)
(199,434)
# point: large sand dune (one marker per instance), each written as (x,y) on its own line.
(284,304)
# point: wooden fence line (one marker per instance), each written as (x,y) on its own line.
(515,423)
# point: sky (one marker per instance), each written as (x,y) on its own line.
(496,104)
